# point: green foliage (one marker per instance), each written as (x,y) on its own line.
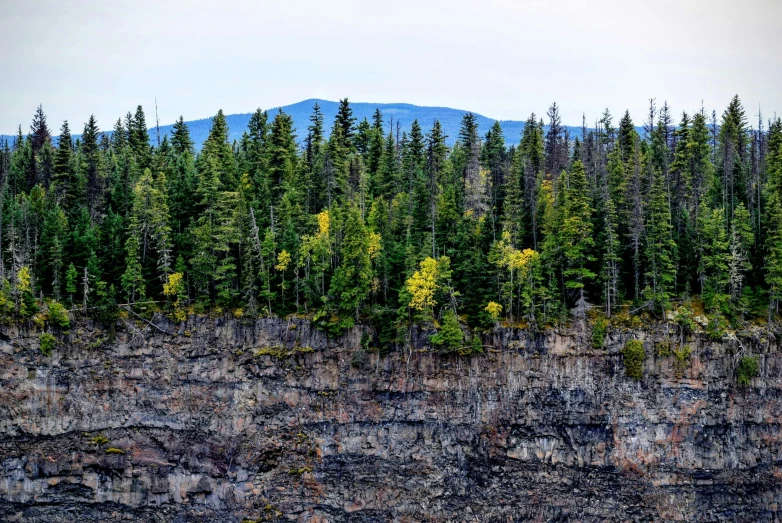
(661,271)
(576,230)
(633,355)
(717,327)
(114,450)
(58,315)
(99,440)
(746,370)
(599,332)
(682,360)
(450,337)
(47,342)
(392,227)
(685,319)
(476,343)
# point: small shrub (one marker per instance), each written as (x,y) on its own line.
(682,360)
(366,339)
(633,355)
(114,450)
(47,343)
(450,336)
(59,315)
(99,440)
(662,349)
(716,327)
(599,333)
(747,369)
(477,343)
(685,318)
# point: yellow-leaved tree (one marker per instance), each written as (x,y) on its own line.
(174,290)
(523,269)
(431,279)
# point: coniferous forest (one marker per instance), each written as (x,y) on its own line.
(392,229)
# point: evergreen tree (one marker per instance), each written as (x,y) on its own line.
(346,122)
(660,247)
(576,235)
(556,145)
(352,278)
(180,137)
(138,138)
(92,166)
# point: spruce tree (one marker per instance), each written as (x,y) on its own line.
(576,235)
(180,137)
(660,248)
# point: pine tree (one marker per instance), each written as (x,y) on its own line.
(611,258)
(92,166)
(576,235)
(282,151)
(71,277)
(138,137)
(732,152)
(217,153)
(180,137)
(474,179)
(742,240)
(436,153)
(375,143)
(556,146)
(660,247)
(39,130)
(530,163)
(66,189)
(713,270)
(773,219)
(119,137)
(346,122)
(352,278)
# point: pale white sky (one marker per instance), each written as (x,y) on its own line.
(500,58)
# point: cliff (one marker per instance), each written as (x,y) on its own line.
(218,420)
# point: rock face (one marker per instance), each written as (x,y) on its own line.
(222,421)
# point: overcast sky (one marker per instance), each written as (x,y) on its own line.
(501,58)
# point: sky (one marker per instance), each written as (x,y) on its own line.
(501,58)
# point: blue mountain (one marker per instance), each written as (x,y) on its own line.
(405,114)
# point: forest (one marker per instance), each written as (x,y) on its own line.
(390,229)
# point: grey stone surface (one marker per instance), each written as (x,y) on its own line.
(225,421)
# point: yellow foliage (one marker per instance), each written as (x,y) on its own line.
(324,223)
(514,259)
(23,279)
(171,287)
(422,285)
(247,184)
(374,244)
(494,309)
(283,259)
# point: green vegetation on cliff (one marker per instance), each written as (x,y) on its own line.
(391,229)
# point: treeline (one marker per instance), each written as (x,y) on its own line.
(388,228)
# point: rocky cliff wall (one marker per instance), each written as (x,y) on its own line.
(222,421)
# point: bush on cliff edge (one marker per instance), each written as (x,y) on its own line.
(633,355)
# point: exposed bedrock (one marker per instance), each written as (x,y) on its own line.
(225,421)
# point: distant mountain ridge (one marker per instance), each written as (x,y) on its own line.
(405,114)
